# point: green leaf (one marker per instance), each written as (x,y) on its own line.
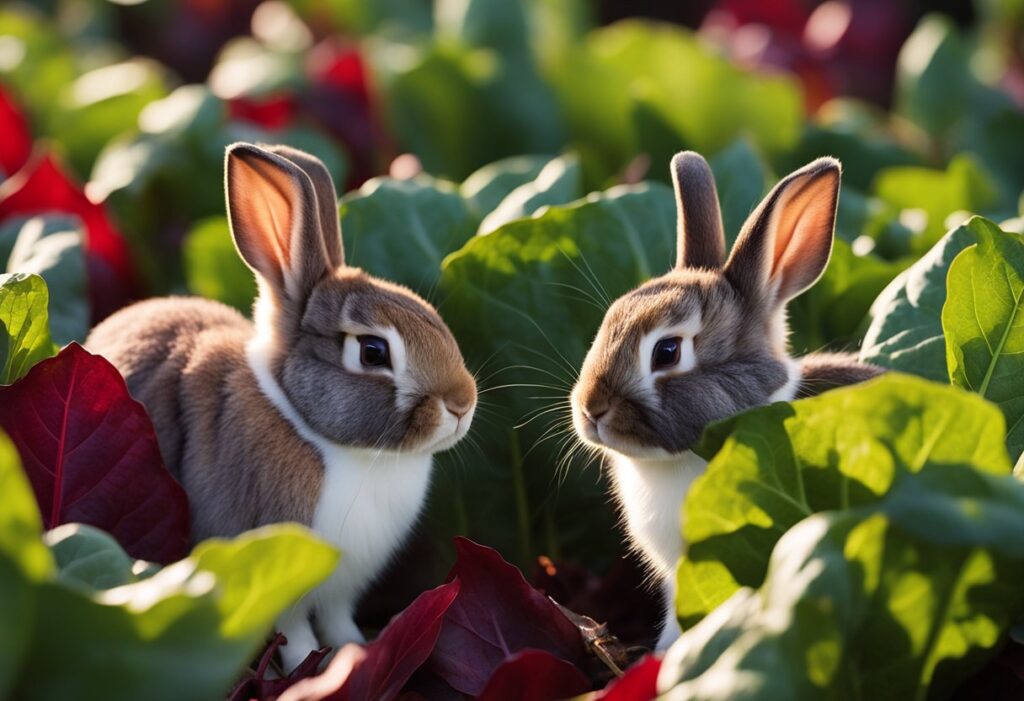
(524,303)
(23,322)
(904,599)
(983,322)
(933,80)
(488,186)
(833,311)
(855,132)
(741,178)
(207,614)
(906,319)
(774,466)
(91,559)
(23,561)
(559,182)
(926,197)
(401,230)
(213,267)
(52,246)
(459,107)
(618,82)
(104,103)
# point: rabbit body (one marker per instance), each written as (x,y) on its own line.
(325,410)
(701,343)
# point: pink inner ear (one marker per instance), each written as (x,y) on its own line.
(261,196)
(803,228)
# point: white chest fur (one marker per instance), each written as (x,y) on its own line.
(651,494)
(368,503)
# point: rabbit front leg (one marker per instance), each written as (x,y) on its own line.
(670,630)
(335,620)
(296,627)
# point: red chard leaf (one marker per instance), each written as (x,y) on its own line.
(91,455)
(401,648)
(16,146)
(257,686)
(640,682)
(272,113)
(496,615)
(533,675)
(42,186)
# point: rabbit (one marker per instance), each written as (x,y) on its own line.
(703,342)
(326,409)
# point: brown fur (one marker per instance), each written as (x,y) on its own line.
(242,463)
(184,359)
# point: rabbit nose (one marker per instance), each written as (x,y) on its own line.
(457,407)
(595,410)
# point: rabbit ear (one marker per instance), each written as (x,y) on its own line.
(275,219)
(326,197)
(701,241)
(785,244)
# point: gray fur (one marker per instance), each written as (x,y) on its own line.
(741,351)
(701,239)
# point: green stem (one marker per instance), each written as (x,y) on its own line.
(522,505)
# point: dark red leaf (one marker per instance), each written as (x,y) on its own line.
(534,675)
(496,615)
(91,454)
(340,66)
(639,684)
(16,144)
(42,186)
(401,648)
(257,686)
(274,112)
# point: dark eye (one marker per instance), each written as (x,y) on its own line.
(374,352)
(666,353)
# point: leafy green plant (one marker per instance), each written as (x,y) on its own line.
(206,614)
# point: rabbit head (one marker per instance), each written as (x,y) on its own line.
(707,339)
(365,363)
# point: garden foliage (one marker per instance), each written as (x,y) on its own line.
(865,543)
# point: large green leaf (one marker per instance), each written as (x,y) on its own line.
(906,319)
(856,133)
(459,106)
(102,104)
(23,561)
(23,324)
(489,185)
(401,230)
(559,182)
(213,267)
(927,197)
(624,81)
(774,466)
(51,246)
(91,559)
(525,302)
(939,89)
(185,632)
(904,599)
(983,322)
(741,178)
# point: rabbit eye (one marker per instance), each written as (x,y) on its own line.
(374,352)
(666,353)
